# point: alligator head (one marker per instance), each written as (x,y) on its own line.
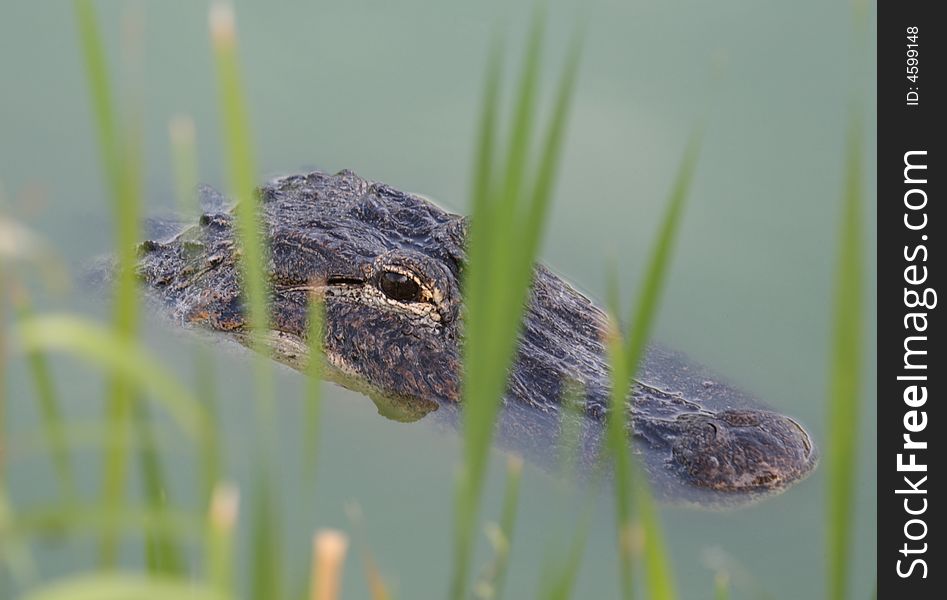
(388,266)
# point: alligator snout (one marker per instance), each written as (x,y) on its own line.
(741,450)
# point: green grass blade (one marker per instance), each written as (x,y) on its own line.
(14,550)
(496,284)
(212,453)
(483,165)
(4,345)
(49,408)
(57,521)
(552,150)
(123,172)
(266,579)
(241,167)
(313,401)
(721,586)
(844,405)
(161,552)
(517,160)
(650,294)
(660,577)
(121,586)
(624,356)
(618,442)
(240,162)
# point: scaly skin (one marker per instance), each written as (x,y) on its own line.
(389,266)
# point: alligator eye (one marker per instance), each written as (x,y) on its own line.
(400,287)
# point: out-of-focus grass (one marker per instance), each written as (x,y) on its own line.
(508,215)
(266,576)
(125,358)
(721,586)
(122,163)
(182,135)
(40,521)
(120,586)
(162,554)
(844,407)
(241,168)
(48,402)
(625,353)
(313,400)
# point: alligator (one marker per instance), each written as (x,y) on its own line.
(389,267)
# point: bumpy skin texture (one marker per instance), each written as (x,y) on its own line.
(389,267)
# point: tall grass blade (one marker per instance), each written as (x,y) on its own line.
(206,390)
(659,577)
(121,586)
(721,586)
(121,160)
(844,404)
(552,149)
(650,294)
(3,356)
(161,552)
(266,577)
(486,134)
(313,401)
(241,164)
(624,356)
(476,292)
(618,442)
(56,520)
(242,169)
(14,551)
(48,403)
(496,283)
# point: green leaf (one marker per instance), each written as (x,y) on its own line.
(844,406)
(624,356)
(121,586)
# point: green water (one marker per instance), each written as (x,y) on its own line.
(391,91)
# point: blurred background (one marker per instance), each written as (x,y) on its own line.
(391,90)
